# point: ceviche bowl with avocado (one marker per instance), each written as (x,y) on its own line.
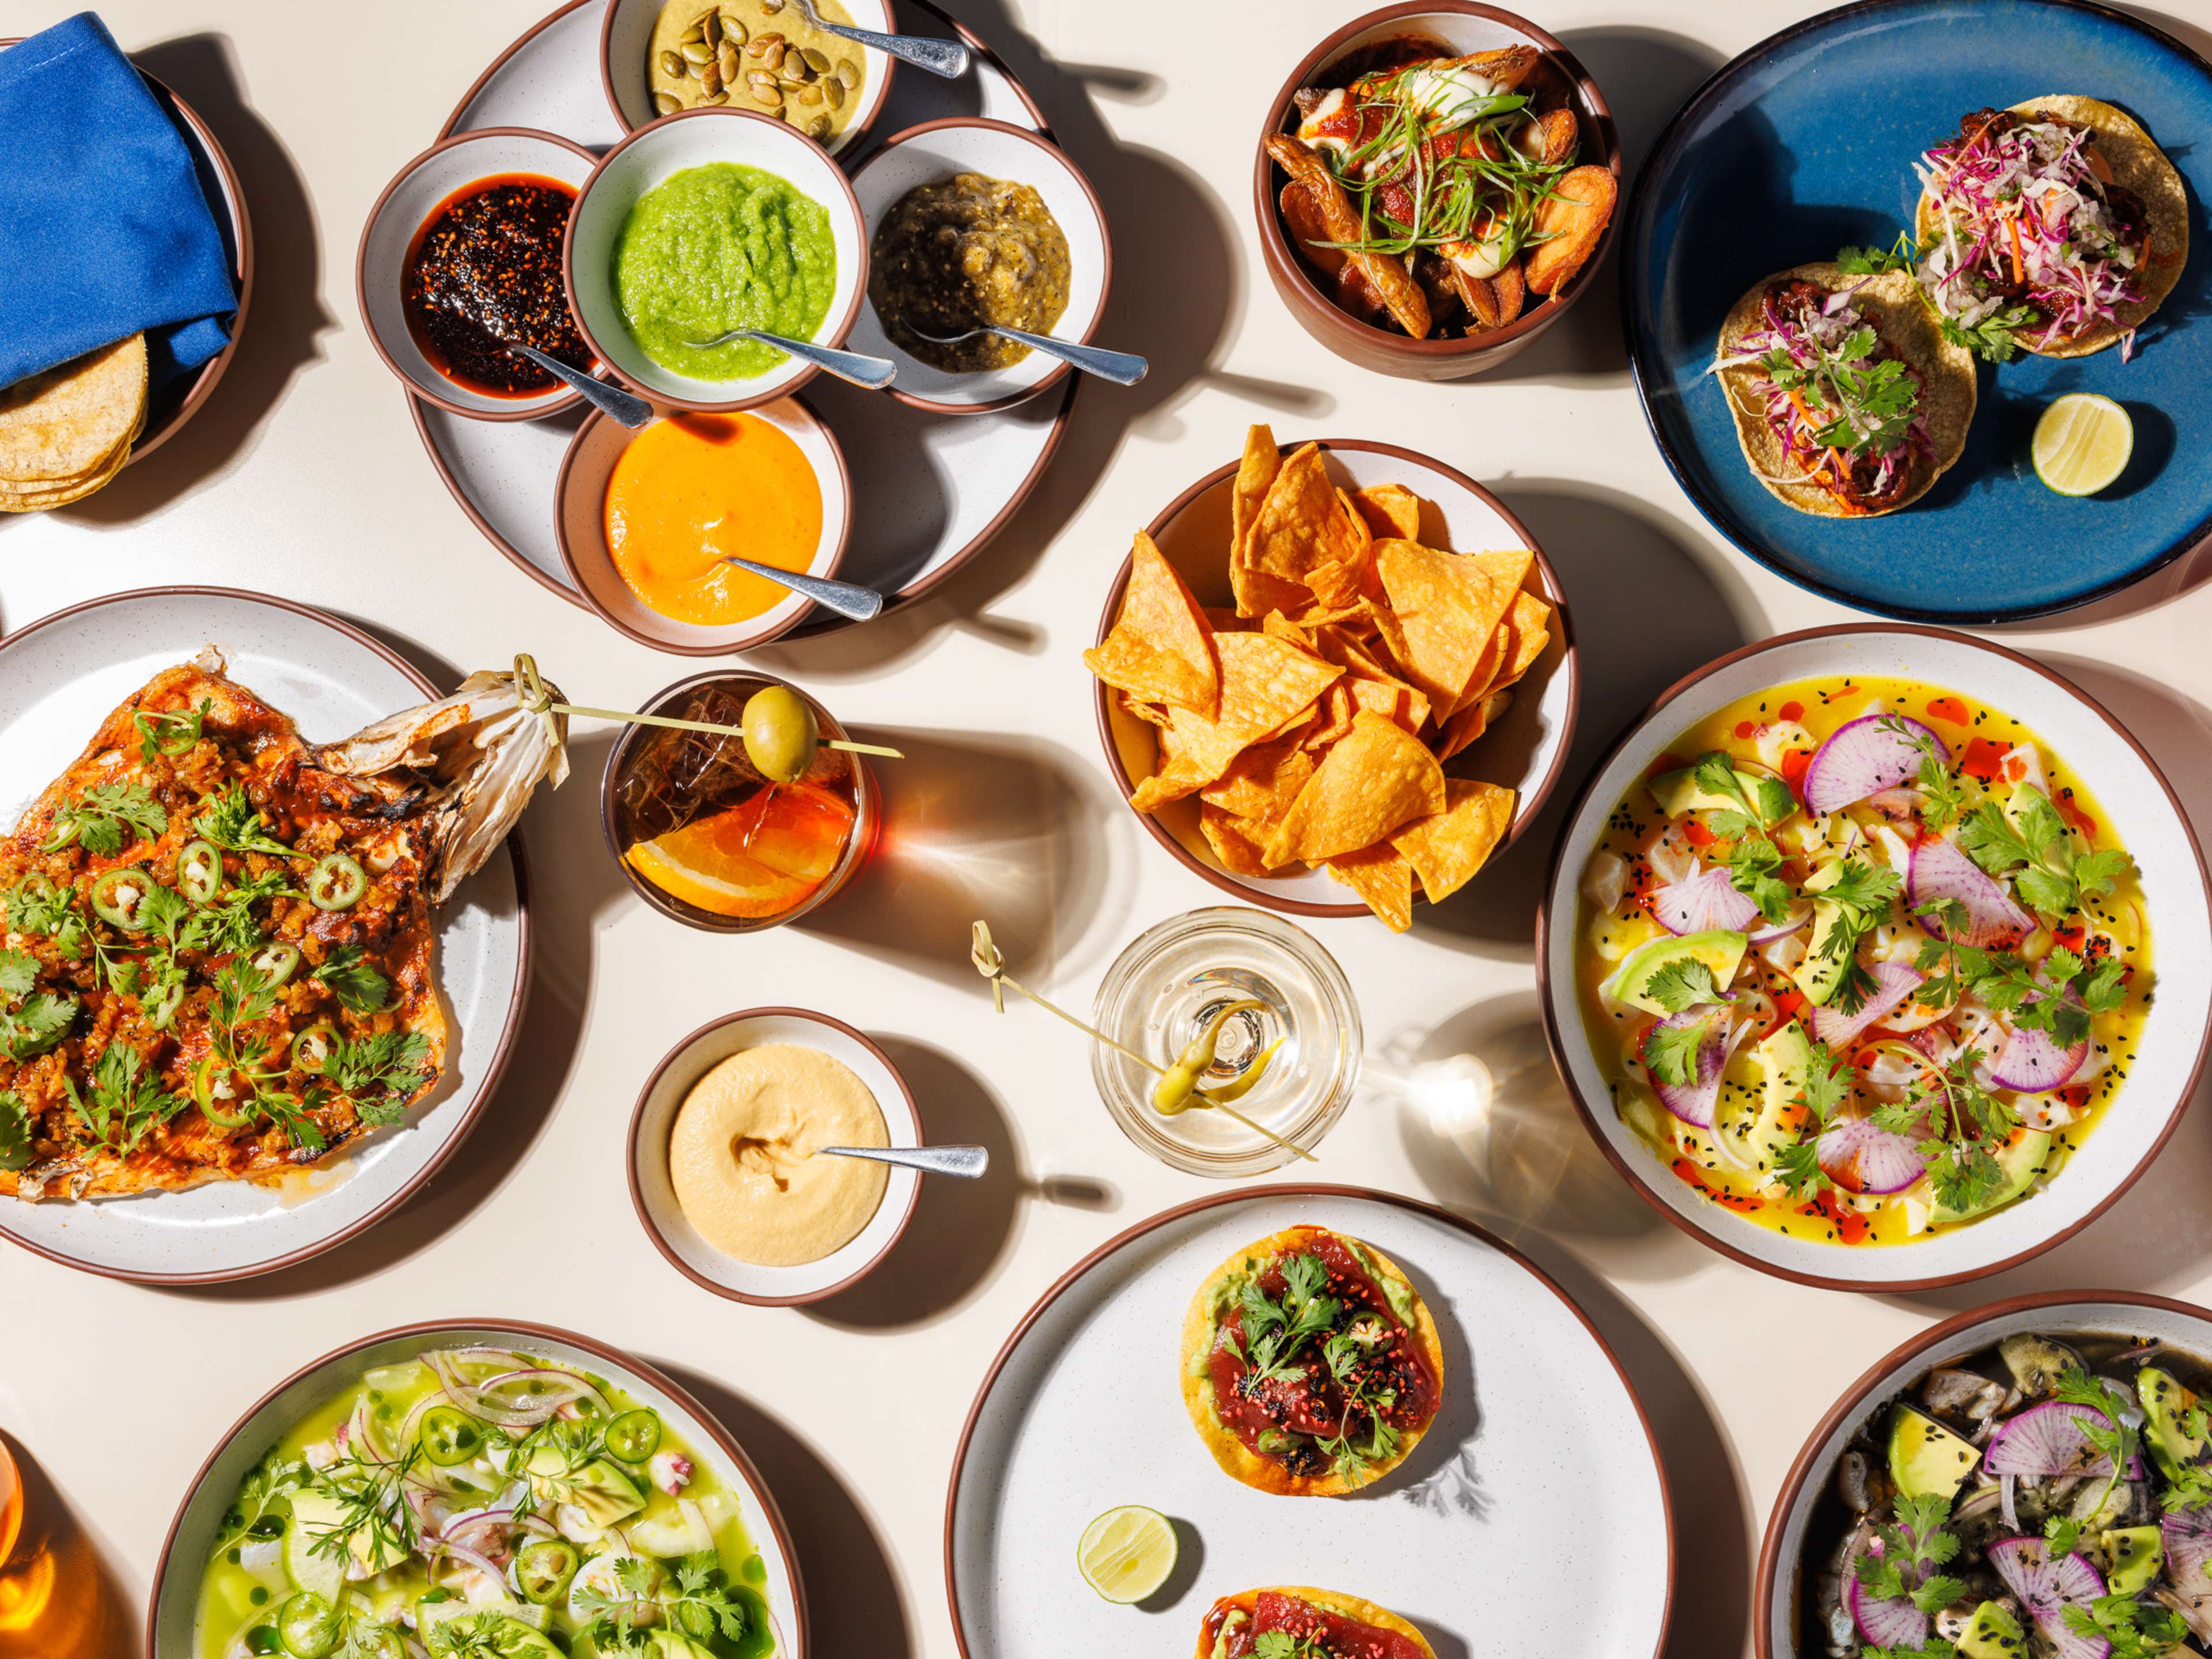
(1878,956)
(2032,1479)
(482,1492)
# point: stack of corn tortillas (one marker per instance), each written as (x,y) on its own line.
(67,431)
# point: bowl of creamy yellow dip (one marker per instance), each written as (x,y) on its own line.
(725,1173)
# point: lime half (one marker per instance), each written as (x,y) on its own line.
(1127,1554)
(2082,443)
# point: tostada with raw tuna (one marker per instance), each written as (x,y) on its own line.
(1310,1364)
(1292,1621)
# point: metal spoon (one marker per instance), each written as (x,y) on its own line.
(873,373)
(946,57)
(1123,367)
(851,603)
(968,1162)
(612,400)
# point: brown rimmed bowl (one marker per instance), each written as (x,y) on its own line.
(654,1195)
(1467,27)
(1527,749)
(626,36)
(1780,1584)
(172,1608)
(937,150)
(395,224)
(579,523)
(648,158)
(2177,1034)
(867,821)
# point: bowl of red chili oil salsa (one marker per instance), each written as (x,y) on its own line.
(461,259)
(1878,956)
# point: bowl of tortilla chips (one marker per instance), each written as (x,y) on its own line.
(1333,675)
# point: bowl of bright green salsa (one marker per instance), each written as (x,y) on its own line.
(487,1490)
(714,220)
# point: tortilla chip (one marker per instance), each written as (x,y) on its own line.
(1282,628)
(1333,722)
(1262,781)
(1302,524)
(1530,620)
(1382,878)
(1450,605)
(1448,848)
(1376,779)
(1266,683)
(1391,510)
(1339,582)
(1224,833)
(1137,708)
(1160,648)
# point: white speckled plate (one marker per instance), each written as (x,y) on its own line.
(59,677)
(1538,1485)
(934,490)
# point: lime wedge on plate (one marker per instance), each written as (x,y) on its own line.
(1127,1554)
(2082,443)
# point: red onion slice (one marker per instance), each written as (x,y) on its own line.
(2046,1588)
(1938,870)
(2031,1063)
(2045,1440)
(1694,1102)
(1702,903)
(1861,1158)
(1893,982)
(1793,923)
(1863,758)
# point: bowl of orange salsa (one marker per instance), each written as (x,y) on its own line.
(1878,956)
(647,520)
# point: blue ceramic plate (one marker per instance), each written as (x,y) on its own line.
(1806,142)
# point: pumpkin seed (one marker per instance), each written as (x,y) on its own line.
(818,127)
(833,91)
(698,50)
(762,42)
(765,91)
(772,58)
(733,27)
(666,102)
(810,94)
(710,78)
(796,66)
(816,60)
(697,32)
(710,28)
(849,73)
(673,64)
(728,62)
(771,7)
(717,98)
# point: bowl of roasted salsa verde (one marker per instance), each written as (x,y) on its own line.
(1878,956)
(973,224)
(2029,1478)
(712,221)
(461,259)
(660,56)
(477,1489)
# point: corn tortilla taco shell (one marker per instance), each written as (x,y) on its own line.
(2138,165)
(64,425)
(1344,1606)
(1892,303)
(1198,1330)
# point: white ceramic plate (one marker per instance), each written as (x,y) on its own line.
(653,1194)
(2150,823)
(175,1606)
(933,154)
(1540,1471)
(937,488)
(1525,750)
(59,679)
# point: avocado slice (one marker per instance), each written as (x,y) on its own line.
(2022,1162)
(1677,793)
(1719,949)
(1991,1633)
(1783,1057)
(2134,1555)
(662,1643)
(1237,1620)
(2170,1407)
(1925,1458)
(602,1492)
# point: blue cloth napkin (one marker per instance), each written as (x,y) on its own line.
(104,230)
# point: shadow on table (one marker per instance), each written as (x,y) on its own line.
(852,1605)
(1645,605)
(59,1596)
(284,315)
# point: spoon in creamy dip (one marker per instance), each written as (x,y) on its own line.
(967,1161)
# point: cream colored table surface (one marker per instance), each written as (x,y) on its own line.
(303,477)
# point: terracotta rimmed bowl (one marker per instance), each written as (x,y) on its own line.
(626,37)
(1527,749)
(1467,27)
(173,1606)
(647,157)
(388,239)
(935,151)
(580,525)
(2057,1313)
(2115,768)
(654,1195)
(867,823)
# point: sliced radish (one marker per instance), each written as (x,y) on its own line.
(1694,1102)
(2187,1536)
(1893,982)
(1861,1158)
(2046,1588)
(1703,903)
(2046,1441)
(1940,871)
(2031,1063)
(1863,758)
(1885,1621)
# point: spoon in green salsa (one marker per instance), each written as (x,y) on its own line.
(873,373)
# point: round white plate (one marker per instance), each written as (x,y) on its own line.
(936,488)
(1540,1472)
(60,678)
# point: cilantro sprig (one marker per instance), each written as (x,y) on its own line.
(2038,853)
(15,1131)
(2133,1629)
(31,1021)
(379,1073)
(1862,893)
(169,734)
(126,1100)
(1827,1085)
(1915,1547)
(357,985)
(106,818)
(234,823)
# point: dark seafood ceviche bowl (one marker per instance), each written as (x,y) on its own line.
(2032,1478)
